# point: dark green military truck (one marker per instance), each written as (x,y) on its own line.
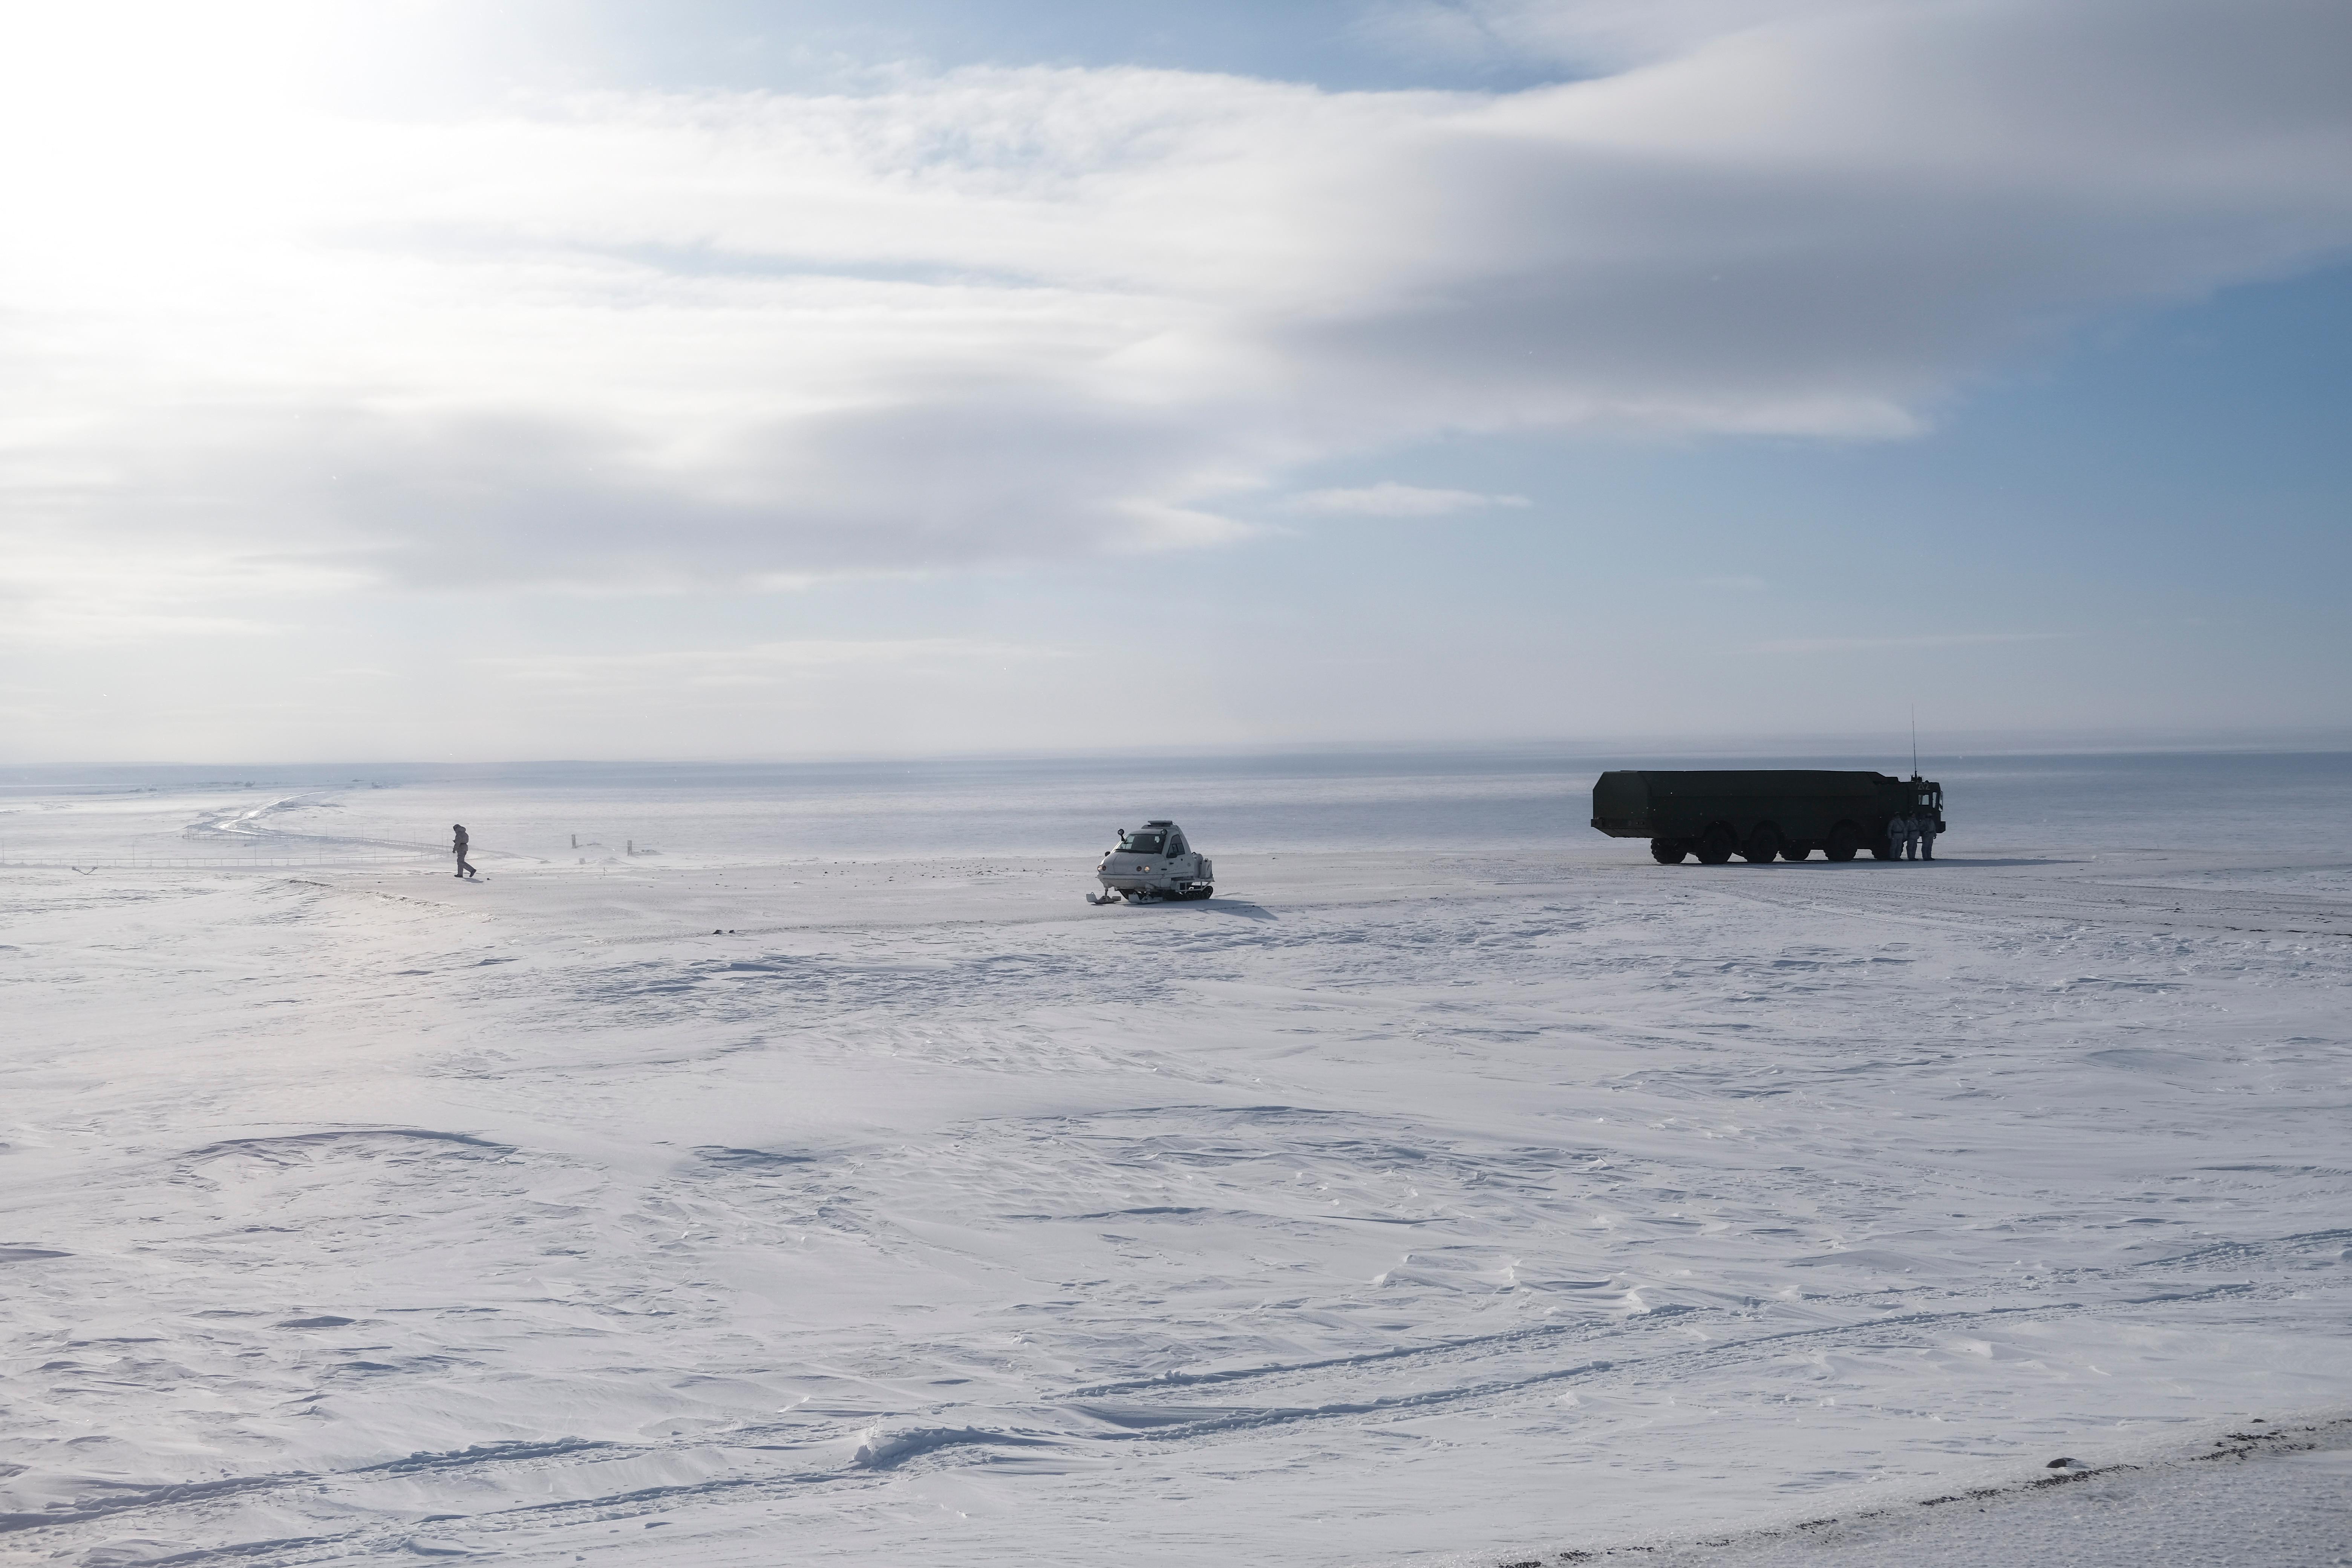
(1761,814)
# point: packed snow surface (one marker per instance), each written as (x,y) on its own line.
(2269,1495)
(835,1185)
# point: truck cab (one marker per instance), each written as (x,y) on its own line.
(1926,799)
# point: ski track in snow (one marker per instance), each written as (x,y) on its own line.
(1387,1205)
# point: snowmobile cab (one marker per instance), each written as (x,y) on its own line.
(1152,862)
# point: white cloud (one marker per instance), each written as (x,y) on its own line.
(1947,639)
(883,689)
(1589,35)
(686,671)
(646,339)
(54,596)
(1389,499)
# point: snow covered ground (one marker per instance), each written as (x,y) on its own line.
(2268,1494)
(1476,1204)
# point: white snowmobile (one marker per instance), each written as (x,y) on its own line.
(1152,862)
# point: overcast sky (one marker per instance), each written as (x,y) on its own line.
(730,379)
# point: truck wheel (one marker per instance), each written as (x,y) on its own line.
(1715,846)
(1667,852)
(1795,851)
(1763,846)
(1845,840)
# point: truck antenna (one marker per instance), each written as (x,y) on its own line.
(1914,740)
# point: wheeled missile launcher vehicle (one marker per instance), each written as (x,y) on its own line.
(1761,813)
(1153,862)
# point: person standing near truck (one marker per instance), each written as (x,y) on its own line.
(1901,835)
(1926,836)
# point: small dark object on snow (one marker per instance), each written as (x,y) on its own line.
(2061,1464)
(716,931)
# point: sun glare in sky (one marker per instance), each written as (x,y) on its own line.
(420,340)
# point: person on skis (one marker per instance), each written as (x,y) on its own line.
(463,869)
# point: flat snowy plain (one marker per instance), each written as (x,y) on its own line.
(835,1186)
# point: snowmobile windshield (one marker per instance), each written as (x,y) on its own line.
(1142,843)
